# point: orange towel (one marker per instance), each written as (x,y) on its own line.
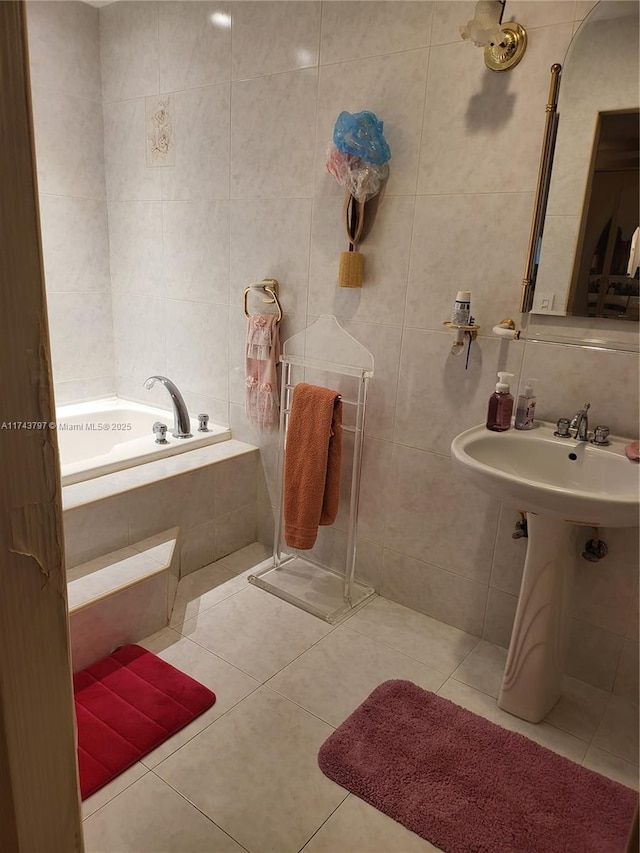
(312,464)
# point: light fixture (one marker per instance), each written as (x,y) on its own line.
(504,44)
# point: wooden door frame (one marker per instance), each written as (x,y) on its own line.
(39,799)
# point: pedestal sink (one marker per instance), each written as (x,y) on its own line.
(559,483)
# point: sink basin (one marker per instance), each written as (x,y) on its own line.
(559,483)
(538,472)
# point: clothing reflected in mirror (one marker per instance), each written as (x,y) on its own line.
(606,277)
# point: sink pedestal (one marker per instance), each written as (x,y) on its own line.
(533,675)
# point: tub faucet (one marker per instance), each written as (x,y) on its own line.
(580,422)
(182,422)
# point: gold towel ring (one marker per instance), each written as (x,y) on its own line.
(270,286)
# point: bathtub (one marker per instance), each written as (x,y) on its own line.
(109,435)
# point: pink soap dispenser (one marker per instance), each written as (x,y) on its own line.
(500,405)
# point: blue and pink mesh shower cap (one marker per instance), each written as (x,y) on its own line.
(360,134)
(358,155)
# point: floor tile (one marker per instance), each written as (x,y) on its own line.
(255,773)
(483,668)
(202,589)
(150,817)
(579,709)
(356,827)
(248,557)
(485,706)
(421,637)
(618,730)
(249,763)
(339,672)
(612,766)
(255,631)
(112,789)
(228,683)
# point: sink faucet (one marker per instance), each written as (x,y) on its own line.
(182,423)
(580,422)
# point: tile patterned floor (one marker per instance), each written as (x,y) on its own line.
(244,776)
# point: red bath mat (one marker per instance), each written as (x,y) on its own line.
(126,705)
(468,785)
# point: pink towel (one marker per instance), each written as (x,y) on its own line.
(262,354)
(312,464)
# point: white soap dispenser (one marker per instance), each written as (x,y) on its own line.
(526,406)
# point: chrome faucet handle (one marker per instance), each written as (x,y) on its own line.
(562,430)
(601,436)
(580,422)
(160,432)
(203,421)
(579,415)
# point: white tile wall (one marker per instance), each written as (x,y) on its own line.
(427,497)
(139,343)
(474,137)
(193,51)
(69,153)
(386,262)
(270,117)
(201,170)
(129,50)
(249,197)
(125,157)
(446,255)
(270,37)
(75,243)
(197,347)
(81,335)
(135,247)
(357,30)
(195,236)
(64,48)
(280,231)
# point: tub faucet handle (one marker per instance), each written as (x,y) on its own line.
(203,423)
(160,432)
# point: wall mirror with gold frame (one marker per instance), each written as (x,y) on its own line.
(589,232)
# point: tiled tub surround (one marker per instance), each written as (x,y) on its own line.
(248,197)
(64,50)
(209,493)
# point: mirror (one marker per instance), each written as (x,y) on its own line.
(587,250)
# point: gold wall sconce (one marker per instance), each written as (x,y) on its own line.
(504,44)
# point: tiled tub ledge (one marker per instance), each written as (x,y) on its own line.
(120,597)
(210,494)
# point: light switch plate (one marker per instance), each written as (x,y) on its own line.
(546,301)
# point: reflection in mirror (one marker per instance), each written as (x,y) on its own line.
(597,107)
(607,268)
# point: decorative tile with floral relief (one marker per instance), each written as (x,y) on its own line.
(160,135)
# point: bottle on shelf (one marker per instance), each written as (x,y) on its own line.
(461,313)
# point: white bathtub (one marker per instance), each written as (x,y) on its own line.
(108,435)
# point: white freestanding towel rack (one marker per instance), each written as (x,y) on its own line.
(322,354)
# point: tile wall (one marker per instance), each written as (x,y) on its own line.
(64,48)
(240,192)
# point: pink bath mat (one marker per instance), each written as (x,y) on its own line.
(468,785)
